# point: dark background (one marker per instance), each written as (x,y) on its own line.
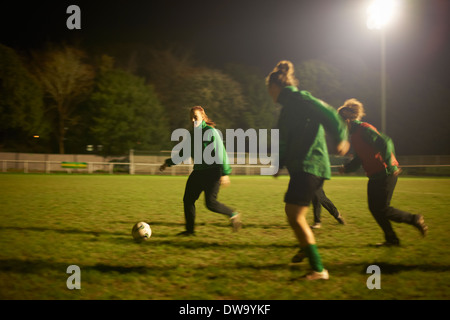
(260,33)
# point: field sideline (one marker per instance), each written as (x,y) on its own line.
(50,221)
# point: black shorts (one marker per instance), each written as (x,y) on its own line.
(302,187)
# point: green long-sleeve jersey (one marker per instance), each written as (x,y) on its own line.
(210,151)
(301,124)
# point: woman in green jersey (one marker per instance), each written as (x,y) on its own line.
(303,151)
(206,177)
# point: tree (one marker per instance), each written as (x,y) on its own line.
(356,80)
(126,114)
(21,103)
(260,111)
(217,93)
(67,80)
(321,79)
(167,70)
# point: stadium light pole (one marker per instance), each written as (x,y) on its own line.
(379,13)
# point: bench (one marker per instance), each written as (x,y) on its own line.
(73,165)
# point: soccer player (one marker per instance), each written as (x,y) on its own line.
(320,199)
(303,151)
(205,177)
(375,152)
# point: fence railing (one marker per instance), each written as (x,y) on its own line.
(41,166)
(90,167)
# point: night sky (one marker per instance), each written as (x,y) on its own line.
(252,32)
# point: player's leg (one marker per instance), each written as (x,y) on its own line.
(301,191)
(296,216)
(297,220)
(398,215)
(194,187)
(317,209)
(212,187)
(378,196)
(330,207)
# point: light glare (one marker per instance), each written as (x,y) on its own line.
(380,12)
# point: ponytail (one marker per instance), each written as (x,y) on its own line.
(351,110)
(282,75)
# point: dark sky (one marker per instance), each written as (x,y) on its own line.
(256,32)
(260,33)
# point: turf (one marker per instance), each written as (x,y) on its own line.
(49,222)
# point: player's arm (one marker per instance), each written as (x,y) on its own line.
(220,150)
(352,165)
(331,121)
(183,153)
(282,138)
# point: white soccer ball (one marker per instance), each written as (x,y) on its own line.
(141,231)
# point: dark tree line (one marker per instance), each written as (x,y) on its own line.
(59,99)
(62,98)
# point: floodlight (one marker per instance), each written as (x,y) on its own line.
(380,12)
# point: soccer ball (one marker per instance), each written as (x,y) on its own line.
(141,231)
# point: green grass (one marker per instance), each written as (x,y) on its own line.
(48,222)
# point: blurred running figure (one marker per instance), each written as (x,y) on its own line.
(375,152)
(303,151)
(321,200)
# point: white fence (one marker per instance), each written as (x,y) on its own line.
(89,164)
(37,166)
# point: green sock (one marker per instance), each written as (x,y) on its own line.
(314,257)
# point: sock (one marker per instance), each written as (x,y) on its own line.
(314,257)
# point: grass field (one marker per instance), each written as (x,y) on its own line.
(49,222)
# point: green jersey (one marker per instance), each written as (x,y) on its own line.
(301,125)
(210,151)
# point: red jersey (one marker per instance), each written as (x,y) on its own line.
(375,151)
